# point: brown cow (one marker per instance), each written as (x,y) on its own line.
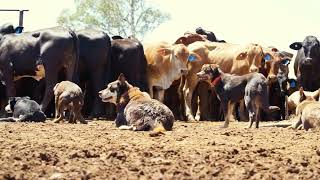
(276,70)
(166,63)
(232,58)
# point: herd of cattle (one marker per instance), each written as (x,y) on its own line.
(32,63)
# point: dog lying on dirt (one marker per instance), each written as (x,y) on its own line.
(68,96)
(307,113)
(294,98)
(232,88)
(23,109)
(135,109)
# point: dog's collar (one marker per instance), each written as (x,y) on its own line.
(215,81)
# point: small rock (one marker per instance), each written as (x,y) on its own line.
(56,176)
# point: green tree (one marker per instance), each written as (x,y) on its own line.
(117,17)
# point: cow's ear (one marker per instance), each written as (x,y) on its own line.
(296,45)
(164,51)
(302,95)
(181,40)
(242,56)
(122,78)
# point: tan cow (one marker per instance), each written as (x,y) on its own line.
(166,63)
(232,58)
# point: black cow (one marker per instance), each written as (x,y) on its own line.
(127,57)
(53,51)
(210,35)
(94,68)
(307,63)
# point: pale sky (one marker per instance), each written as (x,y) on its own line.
(267,22)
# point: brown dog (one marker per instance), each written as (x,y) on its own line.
(308,112)
(68,96)
(232,88)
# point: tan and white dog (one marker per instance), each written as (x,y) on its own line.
(68,96)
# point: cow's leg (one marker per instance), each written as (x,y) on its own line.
(204,98)
(161,95)
(97,84)
(51,80)
(151,93)
(188,100)
(181,98)
(8,79)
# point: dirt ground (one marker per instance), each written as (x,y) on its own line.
(191,151)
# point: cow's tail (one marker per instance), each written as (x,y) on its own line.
(76,51)
(108,77)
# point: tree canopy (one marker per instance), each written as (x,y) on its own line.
(117,17)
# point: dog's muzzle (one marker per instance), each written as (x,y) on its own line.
(8,109)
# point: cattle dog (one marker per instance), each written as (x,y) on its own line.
(308,112)
(23,109)
(136,110)
(68,96)
(229,88)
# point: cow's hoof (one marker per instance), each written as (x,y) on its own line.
(223,126)
(84,122)
(190,118)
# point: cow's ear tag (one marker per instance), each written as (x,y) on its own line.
(285,62)
(292,84)
(192,58)
(267,57)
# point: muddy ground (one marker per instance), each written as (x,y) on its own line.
(191,151)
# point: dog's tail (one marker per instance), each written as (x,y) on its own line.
(8,119)
(158,130)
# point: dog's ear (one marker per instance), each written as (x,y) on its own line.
(214,67)
(55,87)
(302,95)
(122,78)
(25,97)
(11,100)
(11,103)
(316,96)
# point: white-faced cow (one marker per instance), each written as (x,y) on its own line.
(166,63)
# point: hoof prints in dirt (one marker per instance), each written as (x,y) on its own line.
(192,151)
